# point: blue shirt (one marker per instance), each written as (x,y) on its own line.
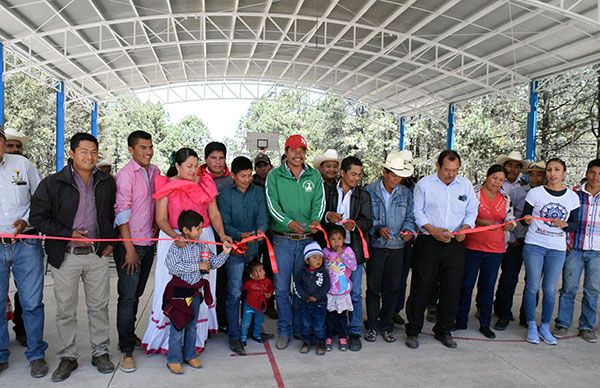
(445,206)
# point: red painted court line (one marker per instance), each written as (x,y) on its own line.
(274,366)
(497,340)
(248,354)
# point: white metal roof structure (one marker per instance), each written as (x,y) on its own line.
(402,55)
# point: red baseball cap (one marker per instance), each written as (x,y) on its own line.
(296,141)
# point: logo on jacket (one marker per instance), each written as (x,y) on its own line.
(308,186)
(553,210)
(319,279)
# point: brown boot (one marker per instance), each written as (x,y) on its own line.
(175,368)
(195,363)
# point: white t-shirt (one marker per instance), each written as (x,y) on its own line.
(545,205)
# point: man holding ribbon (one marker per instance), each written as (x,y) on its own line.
(18,181)
(348,204)
(392,216)
(444,206)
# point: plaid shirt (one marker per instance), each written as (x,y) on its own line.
(586,237)
(185,262)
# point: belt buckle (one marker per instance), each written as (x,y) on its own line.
(297,236)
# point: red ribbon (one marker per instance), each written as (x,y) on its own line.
(365,246)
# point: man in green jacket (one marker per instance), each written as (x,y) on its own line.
(296,203)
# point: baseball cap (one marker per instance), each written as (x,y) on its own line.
(296,141)
(262,158)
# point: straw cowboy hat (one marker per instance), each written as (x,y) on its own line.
(329,155)
(536,166)
(399,162)
(13,134)
(104,163)
(513,155)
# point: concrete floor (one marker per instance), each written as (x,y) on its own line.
(505,362)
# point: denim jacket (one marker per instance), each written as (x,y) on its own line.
(399,219)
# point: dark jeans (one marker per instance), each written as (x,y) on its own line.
(384,275)
(435,261)
(408,249)
(221,291)
(486,265)
(512,261)
(313,322)
(337,323)
(235,272)
(130,288)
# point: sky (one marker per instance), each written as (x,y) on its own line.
(220,116)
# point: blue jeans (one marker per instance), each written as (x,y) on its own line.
(356,320)
(182,343)
(540,261)
(486,265)
(289,255)
(26,260)
(313,322)
(247,314)
(235,271)
(575,263)
(130,288)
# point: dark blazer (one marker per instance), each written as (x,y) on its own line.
(54,205)
(360,212)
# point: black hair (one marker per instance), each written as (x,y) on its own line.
(79,137)
(180,156)
(241,163)
(214,146)
(348,162)
(494,168)
(134,136)
(251,266)
(336,229)
(557,160)
(592,164)
(451,155)
(189,219)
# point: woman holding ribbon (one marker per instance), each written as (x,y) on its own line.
(484,249)
(184,188)
(551,212)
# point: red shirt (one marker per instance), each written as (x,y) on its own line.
(491,240)
(255,293)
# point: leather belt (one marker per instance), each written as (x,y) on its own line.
(85,250)
(295,236)
(8,240)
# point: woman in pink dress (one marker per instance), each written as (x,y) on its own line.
(184,188)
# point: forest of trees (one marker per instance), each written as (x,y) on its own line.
(568,125)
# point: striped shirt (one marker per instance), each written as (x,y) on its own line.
(587,237)
(185,262)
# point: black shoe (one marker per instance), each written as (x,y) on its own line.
(21,339)
(3,366)
(271,313)
(371,335)
(260,340)
(266,336)
(456,326)
(412,341)
(354,342)
(502,324)
(398,320)
(237,347)
(103,363)
(305,348)
(487,332)
(39,368)
(320,349)
(65,367)
(446,340)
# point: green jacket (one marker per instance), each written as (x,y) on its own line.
(291,200)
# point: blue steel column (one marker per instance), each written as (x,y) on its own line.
(1,83)
(532,120)
(60,126)
(95,119)
(401,128)
(450,136)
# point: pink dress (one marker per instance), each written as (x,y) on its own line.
(182,195)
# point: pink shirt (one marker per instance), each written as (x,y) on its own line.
(492,240)
(186,195)
(134,203)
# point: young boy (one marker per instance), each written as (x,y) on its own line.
(182,297)
(311,287)
(259,290)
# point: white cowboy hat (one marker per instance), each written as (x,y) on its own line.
(398,163)
(513,155)
(13,134)
(104,163)
(329,155)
